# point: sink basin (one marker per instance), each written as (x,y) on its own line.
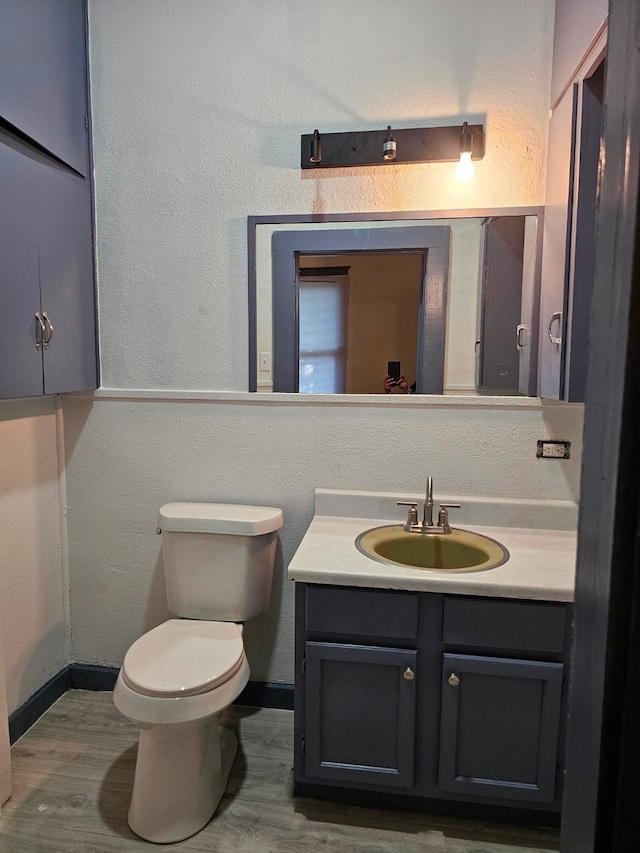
(458,551)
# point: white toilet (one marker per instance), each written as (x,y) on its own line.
(178,678)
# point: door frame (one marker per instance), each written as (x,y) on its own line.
(287,246)
(602,787)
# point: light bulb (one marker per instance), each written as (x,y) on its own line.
(465,170)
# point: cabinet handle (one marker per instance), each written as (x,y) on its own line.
(40,331)
(453,680)
(48,330)
(408,674)
(557,316)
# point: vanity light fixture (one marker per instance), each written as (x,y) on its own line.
(387,147)
(465,170)
(315,148)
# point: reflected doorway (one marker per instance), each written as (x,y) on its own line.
(357,313)
(431,244)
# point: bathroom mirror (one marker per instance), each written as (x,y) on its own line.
(336,301)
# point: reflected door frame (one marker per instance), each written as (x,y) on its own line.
(287,246)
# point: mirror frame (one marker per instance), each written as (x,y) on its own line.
(382,216)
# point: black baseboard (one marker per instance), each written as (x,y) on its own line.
(30,711)
(84,676)
(267,694)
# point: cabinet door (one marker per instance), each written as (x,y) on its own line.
(20,361)
(499,727)
(360,714)
(576,341)
(567,257)
(501,310)
(43,75)
(66,283)
(557,245)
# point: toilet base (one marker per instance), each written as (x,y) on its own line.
(181,775)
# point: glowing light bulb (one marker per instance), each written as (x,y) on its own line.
(465,170)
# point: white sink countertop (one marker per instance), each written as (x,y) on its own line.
(541,565)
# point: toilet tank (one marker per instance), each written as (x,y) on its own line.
(218,559)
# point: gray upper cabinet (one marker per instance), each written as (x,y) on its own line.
(20,362)
(46,248)
(66,284)
(560,158)
(571,198)
(43,75)
(47,299)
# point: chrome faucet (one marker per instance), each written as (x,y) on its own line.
(412,525)
(427,515)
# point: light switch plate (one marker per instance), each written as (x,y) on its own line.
(265,361)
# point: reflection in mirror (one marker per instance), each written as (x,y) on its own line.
(355,312)
(352,308)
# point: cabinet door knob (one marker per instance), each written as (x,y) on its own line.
(408,674)
(453,680)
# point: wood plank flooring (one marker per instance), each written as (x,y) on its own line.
(73,772)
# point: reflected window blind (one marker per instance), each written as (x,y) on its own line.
(322,337)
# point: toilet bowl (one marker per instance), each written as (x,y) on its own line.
(178,678)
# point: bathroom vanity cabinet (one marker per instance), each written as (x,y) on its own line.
(454,702)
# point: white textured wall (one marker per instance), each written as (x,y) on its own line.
(32,584)
(126,458)
(198,109)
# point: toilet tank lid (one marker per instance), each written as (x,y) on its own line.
(234,519)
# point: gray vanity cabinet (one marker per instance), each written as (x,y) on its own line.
(500,723)
(447,703)
(344,739)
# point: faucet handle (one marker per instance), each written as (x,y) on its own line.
(412,516)
(443,516)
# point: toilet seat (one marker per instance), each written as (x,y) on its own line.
(184,657)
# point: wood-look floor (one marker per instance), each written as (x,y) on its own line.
(73,772)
